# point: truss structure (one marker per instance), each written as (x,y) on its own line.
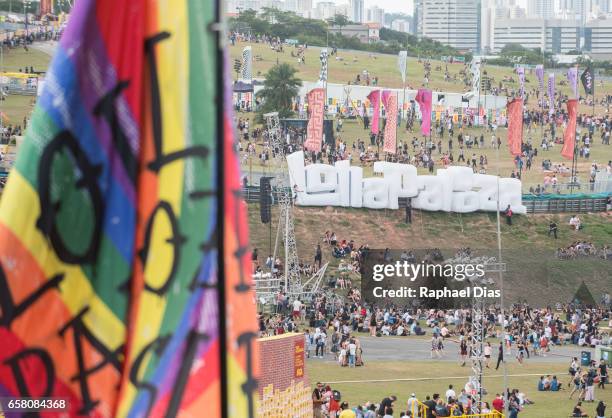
(290,279)
(478,333)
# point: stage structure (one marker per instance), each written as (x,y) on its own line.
(290,280)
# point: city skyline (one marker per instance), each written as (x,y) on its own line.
(403,6)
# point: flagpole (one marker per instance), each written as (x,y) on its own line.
(592,71)
(396,101)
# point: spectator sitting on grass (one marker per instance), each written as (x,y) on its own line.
(554,384)
(575,222)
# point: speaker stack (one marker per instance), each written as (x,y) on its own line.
(265,200)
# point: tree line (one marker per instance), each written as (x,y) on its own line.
(288,25)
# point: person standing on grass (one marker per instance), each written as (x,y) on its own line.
(602,372)
(488,350)
(318,255)
(385,404)
(552,229)
(413,405)
(508,214)
(500,354)
(435,350)
(463,351)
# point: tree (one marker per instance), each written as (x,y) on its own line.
(339,20)
(280,87)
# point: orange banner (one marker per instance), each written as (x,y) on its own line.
(569,136)
(515,126)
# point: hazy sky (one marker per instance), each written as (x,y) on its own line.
(405,6)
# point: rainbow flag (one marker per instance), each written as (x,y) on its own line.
(124,275)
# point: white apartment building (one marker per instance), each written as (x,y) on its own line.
(598,38)
(558,36)
(451,22)
(543,9)
(401,25)
(376,15)
(526,32)
(357,8)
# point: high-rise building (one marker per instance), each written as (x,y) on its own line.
(558,36)
(540,8)
(305,7)
(417,17)
(601,6)
(451,22)
(376,14)
(324,10)
(357,11)
(401,25)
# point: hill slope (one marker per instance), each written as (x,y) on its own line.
(533,271)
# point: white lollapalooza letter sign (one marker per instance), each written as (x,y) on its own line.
(454,189)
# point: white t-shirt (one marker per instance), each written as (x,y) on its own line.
(352,349)
(450,394)
(297,305)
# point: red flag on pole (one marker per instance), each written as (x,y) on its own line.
(314,129)
(569,136)
(515,126)
(423,98)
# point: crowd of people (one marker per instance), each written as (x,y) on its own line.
(327,404)
(584,249)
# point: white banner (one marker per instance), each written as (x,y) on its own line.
(246,70)
(402,60)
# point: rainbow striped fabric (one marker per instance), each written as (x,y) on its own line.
(124,274)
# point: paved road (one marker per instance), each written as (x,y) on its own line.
(418,349)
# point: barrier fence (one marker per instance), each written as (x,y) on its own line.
(420,410)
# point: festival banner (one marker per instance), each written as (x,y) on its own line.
(515,126)
(124,272)
(572,79)
(551,93)
(569,135)
(475,70)
(324,62)
(374,98)
(314,129)
(385,97)
(402,60)
(520,71)
(539,71)
(588,81)
(423,98)
(246,69)
(390,144)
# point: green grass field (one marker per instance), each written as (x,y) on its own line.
(384,67)
(533,271)
(16,107)
(353,131)
(547,404)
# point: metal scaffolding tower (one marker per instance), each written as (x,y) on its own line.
(478,333)
(291,280)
